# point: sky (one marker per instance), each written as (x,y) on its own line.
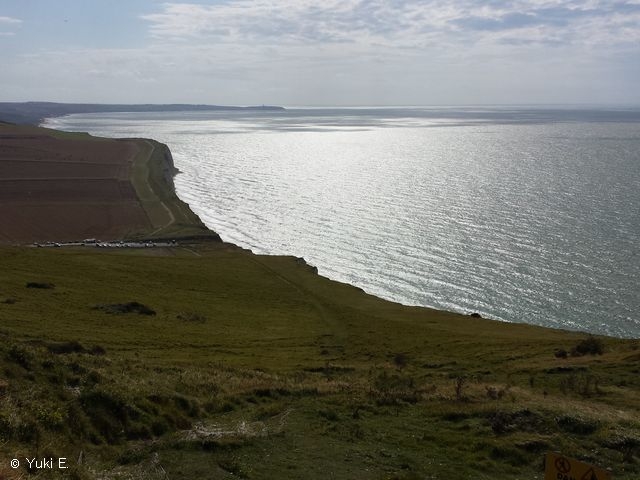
(321,53)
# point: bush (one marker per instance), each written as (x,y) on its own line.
(160,427)
(79,424)
(93,378)
(628,445)
(584,384)
(460,385)
(43,285)
(400,360)
(63,348)
(394,389)
(329,414)
(50,417)
(577,425)
(192,317)
(508,454)
(122,308)
(561,353)
(495,393)
(589,346)
(109,413)
(518,421)
(27,432)
(20,355)
(97,350)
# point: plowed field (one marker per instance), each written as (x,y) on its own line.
(60,187)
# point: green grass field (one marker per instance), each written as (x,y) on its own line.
(256,367)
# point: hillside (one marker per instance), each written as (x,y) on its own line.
(256,367)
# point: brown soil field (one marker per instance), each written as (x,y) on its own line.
(22,169)
(63,187)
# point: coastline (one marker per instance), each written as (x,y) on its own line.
(152,175)
(486,313)
(493,310)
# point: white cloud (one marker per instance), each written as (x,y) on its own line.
(8,23)
(393,23)
(357,52)
(9,20)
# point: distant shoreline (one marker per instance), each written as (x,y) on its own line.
(34,113)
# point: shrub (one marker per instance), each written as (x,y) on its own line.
(561,353)
(97,350)
(42,285)
(576,424)
(519,421)
(50,417)
(187,405)
(394,389)
(508,454)
(192,317)
(138,431)
(583,384)
(589,346)
(78,422)
(93,377)
(27,432)
(460,385)
(628,445)
(122,308)
(62,348)
(496,393)
(20,355)
(109,413)
(160,427)
(329,414)
(400,360)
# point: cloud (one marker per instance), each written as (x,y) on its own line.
(7,23)
(356,52)
(394,23)
(9,20)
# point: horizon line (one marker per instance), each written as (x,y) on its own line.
(354,106)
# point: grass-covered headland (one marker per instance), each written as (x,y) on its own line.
(203,360)
(207,361)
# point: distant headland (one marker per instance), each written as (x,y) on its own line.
(33,113)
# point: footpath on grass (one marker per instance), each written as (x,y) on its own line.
(152,175)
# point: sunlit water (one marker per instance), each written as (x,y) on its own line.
(521,215)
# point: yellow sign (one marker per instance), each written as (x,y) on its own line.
(558,467)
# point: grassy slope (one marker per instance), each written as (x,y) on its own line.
(151,177)
(255,367)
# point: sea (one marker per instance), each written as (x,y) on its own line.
(520,214)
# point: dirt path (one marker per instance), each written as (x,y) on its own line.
(172,218)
